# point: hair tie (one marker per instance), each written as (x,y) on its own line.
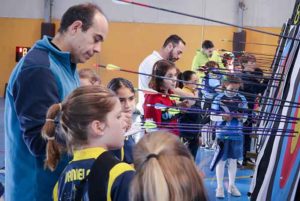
(52,120)
(49,138)
(60,106)
(151,156)
(148,158)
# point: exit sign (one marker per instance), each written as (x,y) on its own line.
(21,52)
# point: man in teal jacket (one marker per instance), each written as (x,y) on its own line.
(46,75)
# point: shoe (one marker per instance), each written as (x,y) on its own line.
(234,191)
(240,165)
(248,161)
(220,193)
(207,147)
(214,145)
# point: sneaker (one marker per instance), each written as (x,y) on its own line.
(239,165)
(207,147)
(248,162)
(234,191)
(220,193)
(214,145)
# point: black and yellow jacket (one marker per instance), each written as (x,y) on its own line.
(115,177)
(125,153)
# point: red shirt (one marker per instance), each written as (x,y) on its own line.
(161,116)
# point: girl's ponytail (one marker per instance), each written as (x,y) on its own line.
(53,149)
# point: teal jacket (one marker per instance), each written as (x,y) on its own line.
(43,77)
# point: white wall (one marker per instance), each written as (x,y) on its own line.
(268,12)
(264,13)
(22,8)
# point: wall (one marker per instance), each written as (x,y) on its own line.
(262,13)
(15,32)
(133,35)
(264,53)
(127,44)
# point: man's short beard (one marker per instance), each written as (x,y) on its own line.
(170,56)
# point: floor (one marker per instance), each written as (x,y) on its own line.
(202,160)
(243,179)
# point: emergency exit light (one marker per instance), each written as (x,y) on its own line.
(21,52)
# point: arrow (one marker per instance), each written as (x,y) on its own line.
(193,125)
(188,82)
(250,43)
(162,107)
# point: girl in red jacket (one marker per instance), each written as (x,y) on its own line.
(164,118)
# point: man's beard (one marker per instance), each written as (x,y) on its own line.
(170,57)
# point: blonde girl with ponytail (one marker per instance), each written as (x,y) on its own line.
(165,171)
